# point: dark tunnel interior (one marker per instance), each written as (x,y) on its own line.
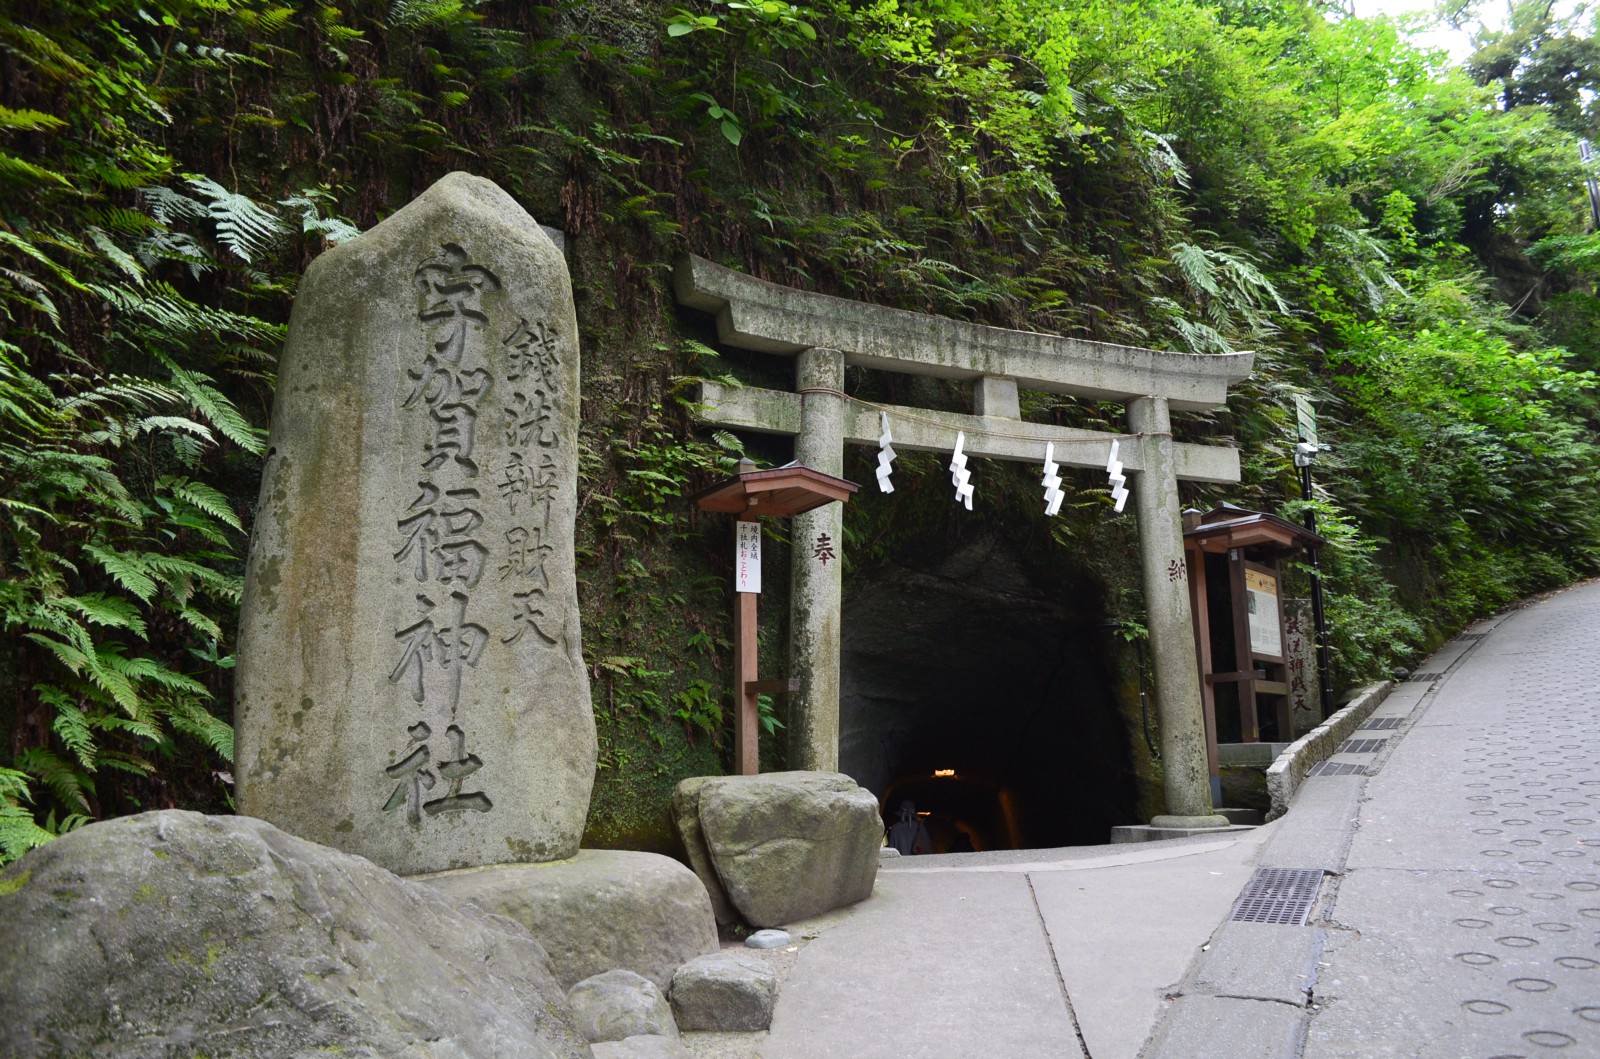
(987,699)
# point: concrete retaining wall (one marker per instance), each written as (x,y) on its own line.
(1285,775)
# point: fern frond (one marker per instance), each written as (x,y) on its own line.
(114,613)
(168,424)
(175,568)
(177,317)
(116,255)
(205,497)
(267,23)
(28,249)
(28,120)
(72,726)
(123,391)
(19,833)
(1195,265)
(104,669)
(200,623)
(179,247)
(334,229)
(71,785)
(68,654)
(127,570)
(113,722)
(139,668)
(210,730)
(16,170)
(124,221)
(242,225)
(13,787)
(222,413)
(167,205)
(188,518)
(123,761)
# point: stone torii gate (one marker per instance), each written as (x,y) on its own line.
(824,333)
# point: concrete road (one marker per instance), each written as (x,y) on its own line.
(1067,953)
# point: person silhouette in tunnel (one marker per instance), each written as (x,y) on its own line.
(907,834)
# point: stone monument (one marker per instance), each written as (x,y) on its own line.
(411,684)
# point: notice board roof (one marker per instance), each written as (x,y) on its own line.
(783,491)
(1227,526)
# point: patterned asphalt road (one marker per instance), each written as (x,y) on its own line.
(1466,920)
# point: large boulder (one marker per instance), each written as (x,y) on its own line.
(618,1004)
(601,910)
(173,933)
(787,845)
(726,991)
(686,821)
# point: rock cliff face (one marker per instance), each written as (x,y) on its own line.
(175,933)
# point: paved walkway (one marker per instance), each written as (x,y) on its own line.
(1459,915)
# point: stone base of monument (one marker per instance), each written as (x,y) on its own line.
(781,846)
(600,911)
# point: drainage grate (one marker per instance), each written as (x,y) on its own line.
(1379,724)
(1425,676)
(1329,768)
(1360,746)
(1281,896)
(1472,636)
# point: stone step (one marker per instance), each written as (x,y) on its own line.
(1147,833)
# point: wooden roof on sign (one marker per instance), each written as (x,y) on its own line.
(1227,526)
(783,491)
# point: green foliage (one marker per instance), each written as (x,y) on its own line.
(120,425)
(1193,176)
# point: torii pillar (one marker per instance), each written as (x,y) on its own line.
(816,577)
(1186,777)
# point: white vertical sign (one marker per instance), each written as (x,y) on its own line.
(747,557)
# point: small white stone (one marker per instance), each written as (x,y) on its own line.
(768,939)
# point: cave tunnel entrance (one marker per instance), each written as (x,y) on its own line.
(988,699)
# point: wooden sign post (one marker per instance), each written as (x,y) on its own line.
(783,491)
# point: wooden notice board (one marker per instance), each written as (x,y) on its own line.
(1264,610)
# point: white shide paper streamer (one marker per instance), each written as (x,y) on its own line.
(960,477)
(886,455)
(1051,480)
(1119,482)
